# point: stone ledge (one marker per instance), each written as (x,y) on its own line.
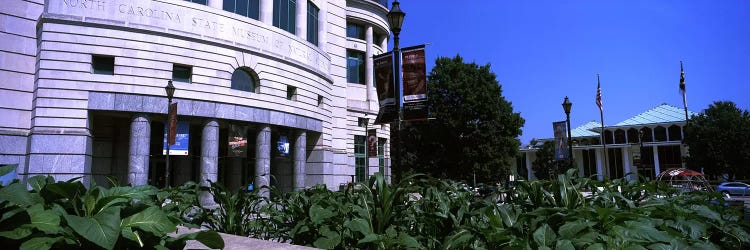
(237,242)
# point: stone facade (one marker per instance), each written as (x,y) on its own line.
(63,118)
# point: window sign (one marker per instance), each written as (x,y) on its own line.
(180,147)
(237,141)
(283,145)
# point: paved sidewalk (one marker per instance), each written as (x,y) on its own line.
(234,242)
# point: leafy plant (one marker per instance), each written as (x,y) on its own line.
(67,215)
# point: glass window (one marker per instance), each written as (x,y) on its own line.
(360,161)
(647,136)
(104,65)
(589,162)
(619,136)
(354,30)
(291,93)
(312,23)
(203,2)
(243,80)
(320,101)
(632,135)
(355,66)
(181,73)
(284,15)
(608,139)
(615,163)
(248,8)
(660,133)
(381,155)
(675,133)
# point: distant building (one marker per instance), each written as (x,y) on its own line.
(646,144)
(288,82)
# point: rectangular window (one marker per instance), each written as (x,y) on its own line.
(320,101)
(291,93)
(360,161)
(381,155)
(103,65)
(248,8)
(361,122)
(355,66)
(354,30)
(285,15)
(181,73)
(589,162)
(614,157)
(312,23)
(203,2)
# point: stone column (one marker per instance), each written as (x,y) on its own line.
(263,160)
(300,159)
(371,95)
(529,170)
(301,25)
(138,156)
(600,164)
(627,166)
(657,169)
(322,26)
(216,4)
(209,158)
(266,12)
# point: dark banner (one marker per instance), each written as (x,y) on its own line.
(415,83)
(387,91)
(237,141)
(372,143)
(172,117)
(561,140)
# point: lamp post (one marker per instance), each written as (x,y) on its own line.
(170,93)
(395,20)
(566,106)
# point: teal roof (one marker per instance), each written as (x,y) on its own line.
(663,113)
(585,130)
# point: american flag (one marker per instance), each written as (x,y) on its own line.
(599,94)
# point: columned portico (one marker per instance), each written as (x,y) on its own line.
(300,159)
(209,158)
(138,156)
(263,160)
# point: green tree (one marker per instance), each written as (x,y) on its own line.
(545,166)
(718,140)
(474,130)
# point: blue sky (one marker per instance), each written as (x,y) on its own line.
(542,51)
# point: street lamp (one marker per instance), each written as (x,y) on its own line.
(566,106)
(395,20)
(170,93)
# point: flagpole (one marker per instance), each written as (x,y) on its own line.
(601,116)
(684,92)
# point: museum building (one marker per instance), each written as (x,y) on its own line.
(645,144)
(268,92)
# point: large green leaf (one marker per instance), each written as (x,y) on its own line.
(706,212)
(210,239)
(138,192)
(358,225)
(7,168)
(564,245)
(152,220)
(128,233)
(69,190)
(318,214)
(570,229)
(17,233)
(329,240)
(16,194)
(39,243)
(102,229)
(38,182)
(45,220)
(408,242)
(544,235)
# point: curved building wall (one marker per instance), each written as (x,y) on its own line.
(61,102)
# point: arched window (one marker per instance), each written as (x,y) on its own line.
(675,133)
(660,133)
(244,79)
(619,136)
(647,136)
(632,135)
(608,137)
